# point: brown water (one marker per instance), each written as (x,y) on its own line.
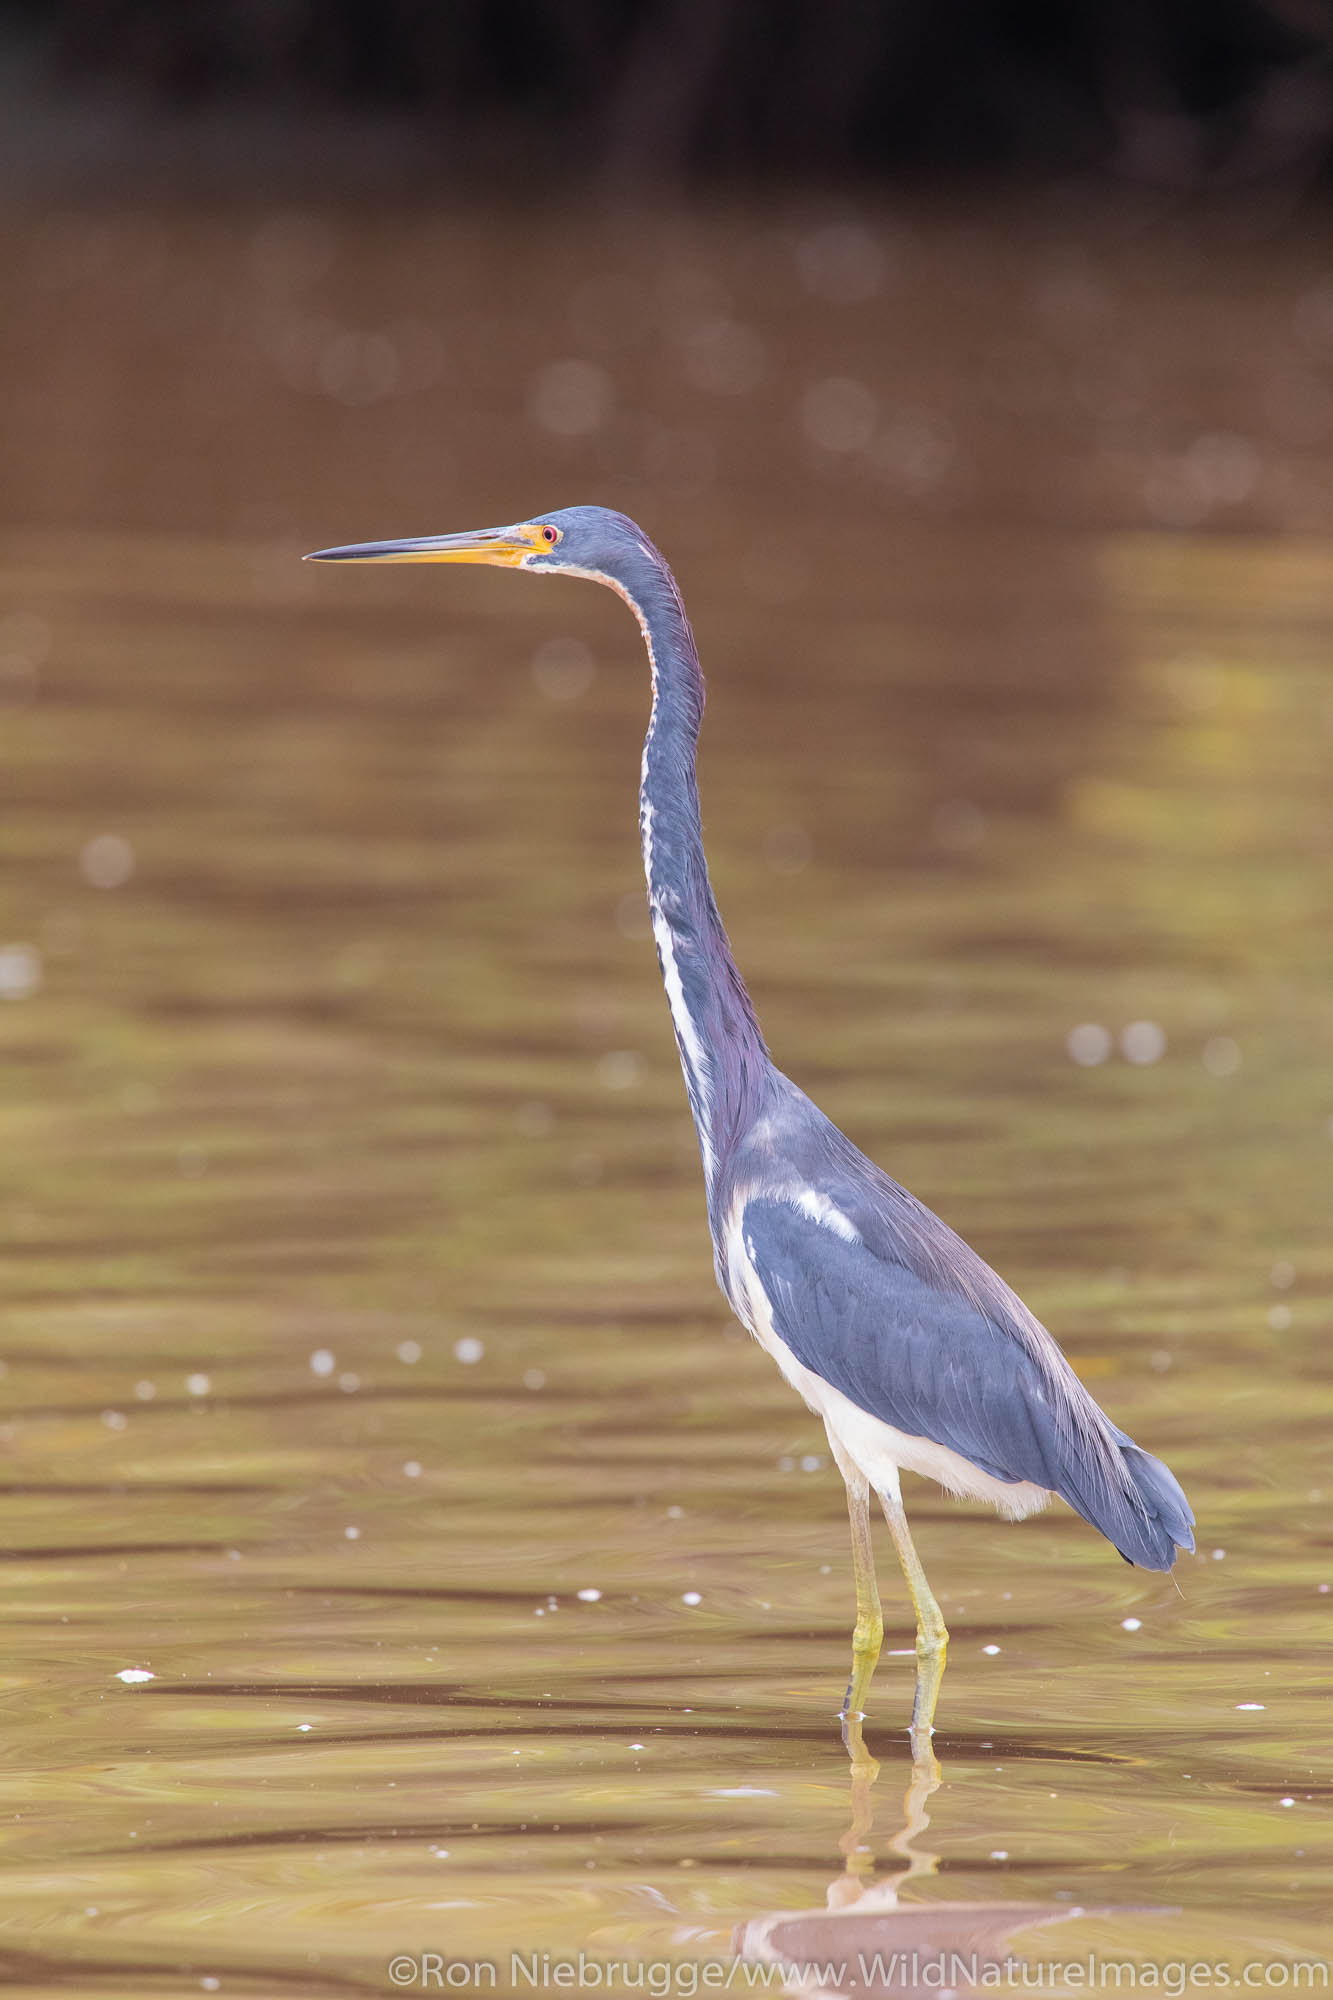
(359,1306)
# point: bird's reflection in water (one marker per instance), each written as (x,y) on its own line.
(874,1941)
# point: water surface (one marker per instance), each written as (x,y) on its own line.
(366,1383)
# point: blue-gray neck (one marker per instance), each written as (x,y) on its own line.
(722,1052)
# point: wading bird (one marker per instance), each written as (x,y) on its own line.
(914,1353)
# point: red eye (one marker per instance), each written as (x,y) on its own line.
(550,534)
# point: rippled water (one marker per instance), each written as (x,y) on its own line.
(366,1383)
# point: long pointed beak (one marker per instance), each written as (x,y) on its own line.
(509,546)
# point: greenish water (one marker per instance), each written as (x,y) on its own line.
(359,1311)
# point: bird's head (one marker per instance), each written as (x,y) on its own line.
(581,541)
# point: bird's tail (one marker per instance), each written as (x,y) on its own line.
(1147,1517)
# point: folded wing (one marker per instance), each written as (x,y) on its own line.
(933,1364)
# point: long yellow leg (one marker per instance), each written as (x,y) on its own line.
(868,1633)
(868,1636)
(932,1637)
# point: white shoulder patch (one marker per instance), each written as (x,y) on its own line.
(821,1210)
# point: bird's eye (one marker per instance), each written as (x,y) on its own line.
(550,534)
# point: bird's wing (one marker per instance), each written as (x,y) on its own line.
(911,1326)
(915,1355)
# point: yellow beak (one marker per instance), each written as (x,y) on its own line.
(509,546)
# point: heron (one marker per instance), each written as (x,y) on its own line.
(917,1356)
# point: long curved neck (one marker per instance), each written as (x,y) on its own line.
(722,1052)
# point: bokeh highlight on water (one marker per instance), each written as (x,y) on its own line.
(366,1385)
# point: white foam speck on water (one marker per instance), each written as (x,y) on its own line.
(132,1676)
(589,1596)
(20,971)
(1143,1042)
(107,861)
(322,1362)
(1088,1044)
(690,1597)
(1131,1624)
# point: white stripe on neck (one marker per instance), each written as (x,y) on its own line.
(694,1059)
(693,1056)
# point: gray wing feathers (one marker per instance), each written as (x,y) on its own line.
(934,1365)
